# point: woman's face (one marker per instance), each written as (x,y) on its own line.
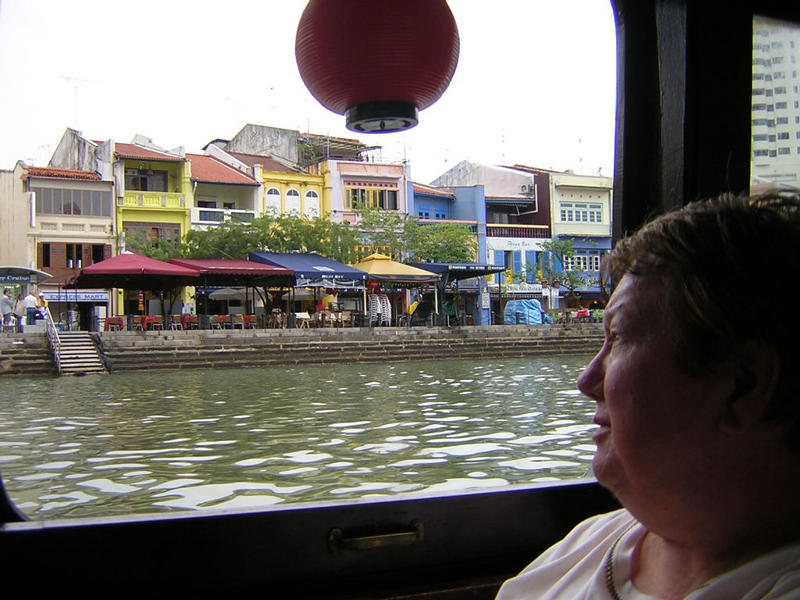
(656,423)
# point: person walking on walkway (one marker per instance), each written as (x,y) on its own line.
(31,305)
(7,306)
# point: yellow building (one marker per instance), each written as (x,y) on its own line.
(155,202)
(286,189)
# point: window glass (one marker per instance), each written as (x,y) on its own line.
(312,204)
(274,201)
(546,100)
(292,202)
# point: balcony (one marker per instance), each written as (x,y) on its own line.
(473,225)
(153,200)
(517,231)
(215,216)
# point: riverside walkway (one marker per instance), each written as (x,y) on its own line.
(28,354)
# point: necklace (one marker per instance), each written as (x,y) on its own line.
(612,589)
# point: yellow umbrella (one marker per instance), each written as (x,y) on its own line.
(380,267)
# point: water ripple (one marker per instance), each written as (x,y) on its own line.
(221,438)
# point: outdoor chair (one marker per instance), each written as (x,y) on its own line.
(238,321)
(114,324)
(175,322)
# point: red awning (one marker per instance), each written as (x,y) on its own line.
(134,272)
(229,273)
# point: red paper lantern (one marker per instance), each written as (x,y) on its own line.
(377,62)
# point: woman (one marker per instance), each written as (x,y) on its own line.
(698,418)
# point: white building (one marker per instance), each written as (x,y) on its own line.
(776,103)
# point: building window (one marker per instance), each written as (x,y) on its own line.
(153,233)
(581,212)
(74,256)
(312,204)
(293,202)
(145,180)
(45,255)
(98,253)
(584,261)
(91,203)
(382,199)
(274,201)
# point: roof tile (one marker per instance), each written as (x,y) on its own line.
(135,151)
(62,173)
(207,169)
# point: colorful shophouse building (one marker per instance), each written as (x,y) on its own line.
(58,221)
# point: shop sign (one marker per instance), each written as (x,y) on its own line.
(70,296)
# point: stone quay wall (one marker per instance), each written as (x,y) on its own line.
(136,350)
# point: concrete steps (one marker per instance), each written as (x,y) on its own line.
(25,354)
(78,354)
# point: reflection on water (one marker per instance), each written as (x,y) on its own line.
(149,442)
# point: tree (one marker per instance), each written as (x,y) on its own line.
(385,231)
(563,251)
(158,249)
(443,242)
(235,240)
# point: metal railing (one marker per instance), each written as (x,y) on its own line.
(517,231)
(52,336)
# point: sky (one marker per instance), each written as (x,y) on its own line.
(535,82)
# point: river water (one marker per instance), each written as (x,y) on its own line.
(225,438)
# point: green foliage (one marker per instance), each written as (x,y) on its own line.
(159,249)
(389,231)
(443,242)
(403,237)
(562,251)
(234,240)
(385,230)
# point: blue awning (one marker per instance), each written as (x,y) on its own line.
(459,270)
(313,270)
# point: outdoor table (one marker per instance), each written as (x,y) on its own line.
(149,323)
(114,324)
(191,322)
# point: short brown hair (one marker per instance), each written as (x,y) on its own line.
(727,263)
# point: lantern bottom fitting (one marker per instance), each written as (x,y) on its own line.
(381,117)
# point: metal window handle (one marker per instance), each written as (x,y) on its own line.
(397,538)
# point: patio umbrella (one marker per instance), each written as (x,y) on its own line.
(380,267)
(134,272)
(228,294)
(300,294)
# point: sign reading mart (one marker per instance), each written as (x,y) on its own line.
(75,296)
